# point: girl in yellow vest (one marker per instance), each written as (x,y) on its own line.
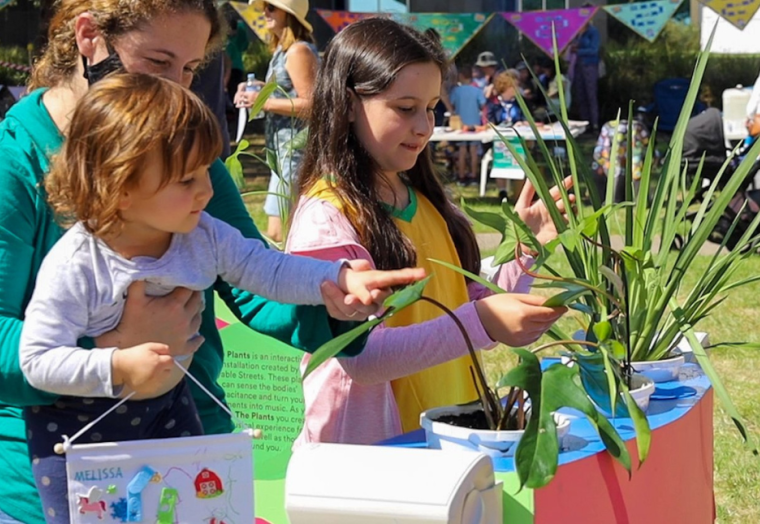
(368,190)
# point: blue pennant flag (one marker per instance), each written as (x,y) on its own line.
(646,18)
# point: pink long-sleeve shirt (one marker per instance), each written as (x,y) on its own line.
(350,400)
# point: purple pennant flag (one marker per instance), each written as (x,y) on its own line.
(537,25)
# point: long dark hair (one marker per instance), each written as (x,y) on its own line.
(366,57)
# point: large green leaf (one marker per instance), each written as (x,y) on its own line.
(331,348)
(538,450)
(261,99)
(537,453)
(399,300)
(298,142)
(236,170)
(406,296)
(640,425)
(566,297)
(492,220)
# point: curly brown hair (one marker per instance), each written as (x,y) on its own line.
(116,125)
(113,18)
(504,81)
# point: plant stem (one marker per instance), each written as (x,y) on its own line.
(491,404)
(564,343)
(518,254)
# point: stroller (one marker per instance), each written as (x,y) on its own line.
(704,135)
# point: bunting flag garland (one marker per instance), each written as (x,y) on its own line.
(646,18)
(738,13)
(537,25)
(338,20)
(253,18)
(15,67)
(456,29)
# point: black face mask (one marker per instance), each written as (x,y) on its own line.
(111,64)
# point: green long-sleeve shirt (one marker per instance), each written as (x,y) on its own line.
(28,230)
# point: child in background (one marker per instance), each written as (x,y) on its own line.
(368,189)
(468,101)
(504,111)
(133,174)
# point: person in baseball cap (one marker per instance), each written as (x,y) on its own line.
(486,59)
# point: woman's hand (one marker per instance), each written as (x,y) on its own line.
(173,320)
(245,98)
(535,214)
(516,320)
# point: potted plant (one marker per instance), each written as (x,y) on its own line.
(524,423)
(633,295)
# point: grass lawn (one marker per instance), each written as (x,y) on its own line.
(737,471)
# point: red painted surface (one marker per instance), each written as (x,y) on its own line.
(674,486)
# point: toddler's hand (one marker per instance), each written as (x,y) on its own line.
(368,286)
(143,369)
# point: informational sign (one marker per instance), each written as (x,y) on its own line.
(646,18)
(505,165)
(262,383)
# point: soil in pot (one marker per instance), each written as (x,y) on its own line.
(472,420)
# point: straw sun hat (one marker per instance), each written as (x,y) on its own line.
(297,8)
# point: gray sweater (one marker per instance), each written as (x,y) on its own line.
(82,287)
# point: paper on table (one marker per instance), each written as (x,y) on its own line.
(242,121)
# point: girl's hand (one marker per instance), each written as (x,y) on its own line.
(535,214)
(516,320)
(369,287)
(143,369)
(172,320)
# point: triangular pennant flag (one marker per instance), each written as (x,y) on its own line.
(253,18)
(456,29)
(537,25)
(646,18)
(340,19)
(737,13)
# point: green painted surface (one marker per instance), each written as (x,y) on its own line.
(518,505)
(262,383)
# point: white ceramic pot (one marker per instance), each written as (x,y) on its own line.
(440,435)
(642,388)
(660,370)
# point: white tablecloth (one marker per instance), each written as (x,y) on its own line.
(549,132)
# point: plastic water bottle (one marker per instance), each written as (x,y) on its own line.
(250,86)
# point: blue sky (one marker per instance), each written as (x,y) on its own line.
(371,6)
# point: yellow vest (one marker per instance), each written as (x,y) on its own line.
(451,382)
